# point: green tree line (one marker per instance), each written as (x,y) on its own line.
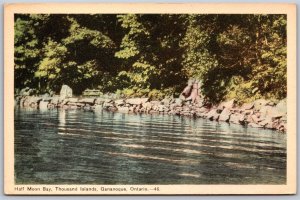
(235,56)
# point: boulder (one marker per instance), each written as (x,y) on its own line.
(212,115)
(43,105)
(166,101)
(34,100)
(247,106)
(237,118)
(119,102)
(100,101)
(106,105)
(66,92)
(55,100)
(108,100)
(147,106)
(225,115)
(98,108)
(178,101)
(136,101)
(161,108)
(270,111)
(70,100)
(228,104)
(255,125)
(87,100)
(282,106)
(256,118)
(123,109)
(266,123)
(258,104)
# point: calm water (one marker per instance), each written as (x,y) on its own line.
(64,147)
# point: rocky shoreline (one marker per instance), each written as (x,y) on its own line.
(259,114)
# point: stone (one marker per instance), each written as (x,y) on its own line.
(98,108)
(161,108)
(108,100)
(212,115)
(34,100)
(70,100)
(147,106)
(235,118)
(106,105)
(87,100)
(119,102)
(100,101)
(55,100)
(253,125)
(136,101)
(166,101)
(256,118)
(228,104)
(282,106)
(270,111)
(266,122)
(178,101)
(65,92)
(123,109)
(43,105)
(258,104)
(225,115)
(247,106)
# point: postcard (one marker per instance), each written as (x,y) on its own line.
(150,99)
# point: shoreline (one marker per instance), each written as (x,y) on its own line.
(261,113)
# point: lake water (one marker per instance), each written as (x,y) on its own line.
(77,147)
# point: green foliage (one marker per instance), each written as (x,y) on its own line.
(235,56)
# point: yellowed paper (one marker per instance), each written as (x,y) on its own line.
(10,186)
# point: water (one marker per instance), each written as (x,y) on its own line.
(77,147)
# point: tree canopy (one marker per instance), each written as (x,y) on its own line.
(235,56)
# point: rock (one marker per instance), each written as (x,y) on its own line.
(26,91)
(120,102)
(161,108)
(109,100)
(147,106)
(87,100)
(212,115)
(153,112)
(225,115)
(266,123)
(55,100)
(80,105)
(87,107)
(258,104)
(256,118)
(66,92)
(43,105)
(98,108)
(136,101)
(106,105)
(34,100)
(165,101)
(178,101)
(100,101)
(282,106)
(236,118)
(270,111)
(247,106)
(123,109)
(228,104)
(70,101)
(255,125)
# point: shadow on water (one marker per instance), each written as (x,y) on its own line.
(77,147)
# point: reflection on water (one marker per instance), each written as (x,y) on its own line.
(77,147)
